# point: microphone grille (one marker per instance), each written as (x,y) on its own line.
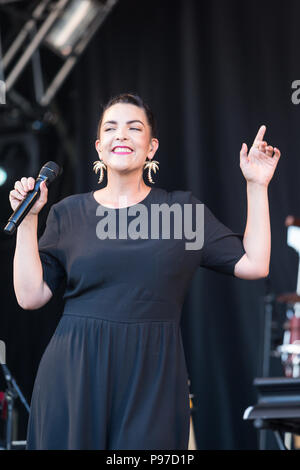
(51,170)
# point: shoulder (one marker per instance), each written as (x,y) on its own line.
(69,203)
(71,209)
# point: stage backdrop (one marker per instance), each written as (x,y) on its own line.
(213,72)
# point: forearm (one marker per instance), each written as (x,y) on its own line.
(257,236)
(28,270)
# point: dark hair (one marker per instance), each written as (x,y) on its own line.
(130,99)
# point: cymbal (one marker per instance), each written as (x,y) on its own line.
(289,298)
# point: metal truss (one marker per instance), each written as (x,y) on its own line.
(31,41)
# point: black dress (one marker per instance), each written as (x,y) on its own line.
(114,373)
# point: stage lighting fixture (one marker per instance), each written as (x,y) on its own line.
(3,176)
(73,25)
(63,26)
(19,156)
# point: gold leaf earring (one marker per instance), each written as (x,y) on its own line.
(99,165)
(151,165)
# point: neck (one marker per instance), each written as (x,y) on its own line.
(130,186)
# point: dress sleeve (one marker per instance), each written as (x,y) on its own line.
(53,271)
(222,248)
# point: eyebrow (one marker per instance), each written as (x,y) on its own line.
(128,122)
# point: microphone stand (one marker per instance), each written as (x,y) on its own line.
(13,391)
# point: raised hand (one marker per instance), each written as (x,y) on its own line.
(259,164)
(20,191)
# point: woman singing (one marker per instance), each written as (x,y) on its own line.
(114,375)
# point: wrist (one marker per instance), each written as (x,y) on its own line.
(257,186)
(30,220)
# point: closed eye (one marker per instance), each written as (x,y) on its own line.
(132,128)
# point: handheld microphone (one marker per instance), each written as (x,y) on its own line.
(48,173)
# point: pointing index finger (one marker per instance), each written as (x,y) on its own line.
(260,135)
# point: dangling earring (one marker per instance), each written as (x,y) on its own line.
(151,165)
(99,165)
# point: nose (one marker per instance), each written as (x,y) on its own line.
(121,137)
(121,134)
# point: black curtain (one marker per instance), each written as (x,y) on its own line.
(213,72)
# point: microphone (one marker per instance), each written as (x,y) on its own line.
(48,173)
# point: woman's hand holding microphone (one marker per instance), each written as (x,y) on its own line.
(19,193)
